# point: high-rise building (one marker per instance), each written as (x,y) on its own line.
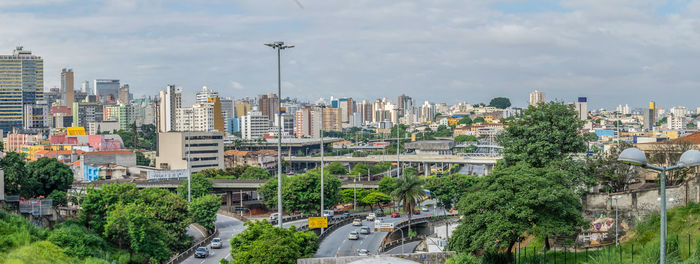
(242,109)
(582,108)
(217,114)
(365,110)
(67,87)
(106,90)
(36,116)
(427,112)
(268,105)
(85,87)
(288,125)
(124,95)
(125,114)
(675,122)
(170,101)
(233,125)
(195,151)
(405,102)
(345,106)
(302,120)
(254,125)
(204,95)
(86,113)
(227,109)
(332,119)
(649,118)
(21,83)
(536,98)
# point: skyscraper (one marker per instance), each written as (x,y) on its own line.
(106,90)
(268,104)
(85,87)
(21,83)
(67,87)
(405,102)
(124,95)
(170,101)
(650,117)
(536,98)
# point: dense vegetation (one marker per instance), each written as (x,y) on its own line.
(263,243)
(34,179)
(302,192)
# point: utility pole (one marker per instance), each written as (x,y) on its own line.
(322,165)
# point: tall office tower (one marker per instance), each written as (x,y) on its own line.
(268,105)
(365,110)
(227,110)
(582,108)
(536,98)
(106,90)
(21,83)
(242,109)
(254,125)
(67,87)
(345,106)
(86,113)
(217,115)
(650,117)
(170,101)
(204,95)
(124,95)
(85,87)
(405,102)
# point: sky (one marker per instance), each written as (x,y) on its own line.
(611,51)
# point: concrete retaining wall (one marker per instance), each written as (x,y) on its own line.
(435,257)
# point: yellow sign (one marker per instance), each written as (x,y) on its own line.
(318,222)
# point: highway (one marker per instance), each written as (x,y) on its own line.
(337,243)
(228,227)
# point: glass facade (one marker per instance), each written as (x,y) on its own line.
(21,83)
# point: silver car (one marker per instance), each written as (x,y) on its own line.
(362,252)
(353,235)
(216,243)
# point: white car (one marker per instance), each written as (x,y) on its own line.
(216,243)
(274,216)
(362,252)
(370,217)
(353,235)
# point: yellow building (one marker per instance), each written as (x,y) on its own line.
(29,151)
(218,115)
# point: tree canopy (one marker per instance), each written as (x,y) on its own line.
(465,138)
(263,243)
(200,186)
(255,173)
(336,168)
(500,102)
(203,210)
(302,192)
(449,189)
(544,133)
(409,190)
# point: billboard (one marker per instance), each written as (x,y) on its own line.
(167,175)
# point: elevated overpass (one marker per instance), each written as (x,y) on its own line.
(419,161)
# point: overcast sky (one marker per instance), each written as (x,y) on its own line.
(612,51)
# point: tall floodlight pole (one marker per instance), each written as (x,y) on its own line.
(322,163)
(398,147)
(189,170)
(279,46)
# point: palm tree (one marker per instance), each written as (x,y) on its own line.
(409,190)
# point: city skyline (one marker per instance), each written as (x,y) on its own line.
(428,51)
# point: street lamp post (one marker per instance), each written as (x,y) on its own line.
(279,46)
(322,165)
(634,156)
(616,198)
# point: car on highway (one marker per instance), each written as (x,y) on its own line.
(416,212)
(201,252)
(216,243)
(357,222)
(345,214)
(328,213)
(353,235)
(363,252)
(425,209)
(364,230)
(395,215)
(370,217)
(274,216)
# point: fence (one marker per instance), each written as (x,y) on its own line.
(338,222)
(680,247)
(36,207)
(397,243)
(187,253)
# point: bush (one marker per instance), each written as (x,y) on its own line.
(77,241)
(462,258)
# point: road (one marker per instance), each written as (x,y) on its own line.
(407,248)
(337,243)
(228,227)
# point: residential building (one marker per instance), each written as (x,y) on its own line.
(405,103)
(581,108)
(16,140)
(332,119)
(21,83)
(36,116)
(85,87)
(204,95)
(170,101)
(536,98)
(306,124)
(106,90)
(67,87)
(675,122)
(86,113)
(427,112)
(196,151)
(288,124)
(649,118)
(95,128)
(254,125)
(124,95)
(217,114)
(268,105)
(242,109)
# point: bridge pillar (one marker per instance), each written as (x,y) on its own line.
(229,200)
(426,169)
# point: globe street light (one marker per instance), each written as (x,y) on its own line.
(279,45)
(634,156)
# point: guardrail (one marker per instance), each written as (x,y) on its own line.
(339,223)
(398,243)
(187,253)
(293,218)
(233,215)
(414,221)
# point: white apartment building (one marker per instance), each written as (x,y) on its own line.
(199,117)
(204,95)
(254,125)
(536,98)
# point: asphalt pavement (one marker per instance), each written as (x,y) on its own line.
(337,243)
(228,227)
(407,248)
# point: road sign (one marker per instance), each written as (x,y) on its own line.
(318,222)
(240,209)
(386,227)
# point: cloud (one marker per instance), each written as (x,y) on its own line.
(614,52)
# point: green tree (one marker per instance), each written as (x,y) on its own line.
(131,228)
(44,176)
(203,210)
(141,159)
(465,121)
(376,198)
(614,175)
(255,173)
(545,133)
(479,120)
(409,190)
(410,171)
(15,172)
(200,186)
(40,252)
(447,190)
(337,168)
(500,102)
(360,169)
(512,201)
(348,196)
(388,184)
(170,211)
(58,197)
(302,193)
(263,243)
(465,138)
(77,241)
